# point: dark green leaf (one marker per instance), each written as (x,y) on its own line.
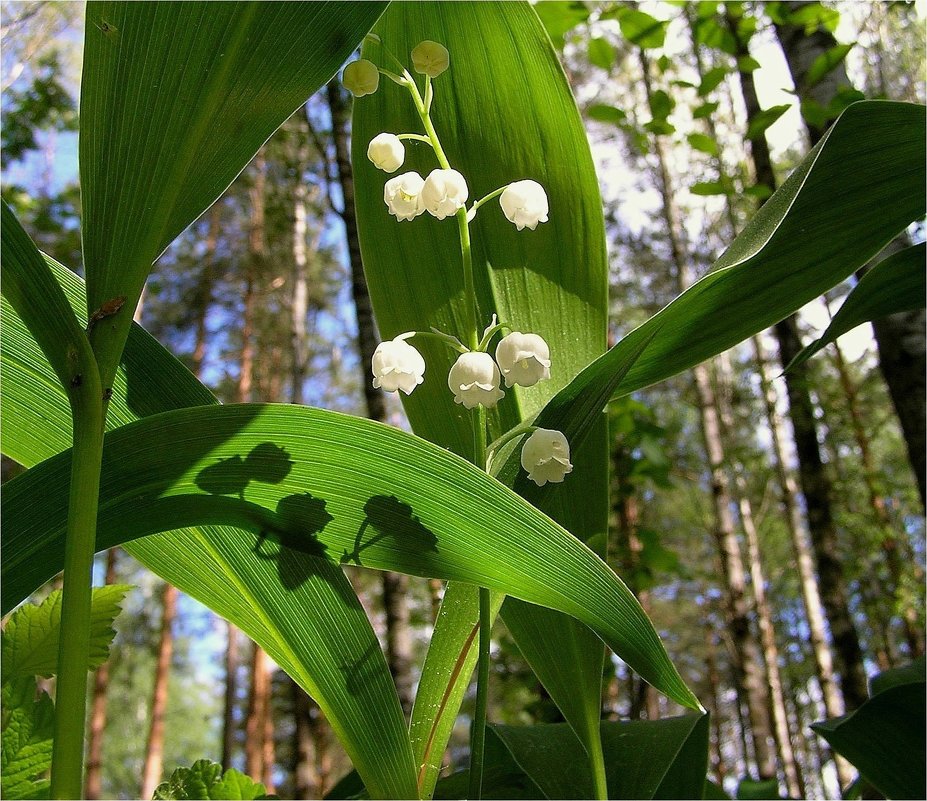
(661,104)
(703,143)
(812,16)
(885,741)
(748,64)
(895,284)
(711,80)
(640,28)
(660,128)
(914,673)
(204,781)
(601,53)
(764,119)
(560,17)
(824,63)
(711,32)
(28,727)
(706,188)
(705,110)
(759,191)
(176,98)
(753,790)
(30,637)
(814,113)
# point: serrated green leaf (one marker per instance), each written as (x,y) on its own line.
(703,143)
(603,113)
(711,80)
(176,98)
(764,119)
(30,638)
(825,63)
(28,728)
(205,781)
(601,53)
(895,284)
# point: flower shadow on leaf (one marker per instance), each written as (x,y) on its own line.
(390,517)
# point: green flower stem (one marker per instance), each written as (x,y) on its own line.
(452,342)
(489,333)
(416,137)
(597,761)
(74,643)
(478,733)
(508,436)
(495,193)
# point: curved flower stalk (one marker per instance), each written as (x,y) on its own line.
(474,379)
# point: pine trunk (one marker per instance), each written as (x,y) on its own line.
(395,586)
(154,753)
(93,780)
(815,483)
(747,657)
(305,780)
(900,338)
(229,724)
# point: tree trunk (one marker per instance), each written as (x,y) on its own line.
(154,752)
(305,780)
(93,780)
(900,337)
(815,483)
(716,757)
(395,586)
(747,657)
(229,724)
(204,291)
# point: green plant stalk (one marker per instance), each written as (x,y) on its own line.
(597,762)
(74,643)
(478,732)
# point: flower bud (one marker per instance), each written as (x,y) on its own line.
(430,58)
(361,77)
(546,456)
(403,196)
(444,192)
(397,365)
(525,204)
(474,379)
(523,358)
(386,152)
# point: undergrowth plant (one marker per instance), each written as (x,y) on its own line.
(194,489)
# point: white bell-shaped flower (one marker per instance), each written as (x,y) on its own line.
(361,77)
(430,58)
(524,359)
(403,196)
(525,204)
(546,456)
(474,379)
(444,192)
(397,365)
(386,152)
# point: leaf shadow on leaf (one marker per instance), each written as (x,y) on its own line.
(390,517)
(266,462)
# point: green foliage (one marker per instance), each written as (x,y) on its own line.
(638,27)
(825,63)
(561,16)
(601,53)
(205,781)
(885,738)
(30,637)
(895,284)
(703,143)
(764,119)
(711,80)
(753,790)
(28,724)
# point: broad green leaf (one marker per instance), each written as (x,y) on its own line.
(912,673)
(28,728)
(661,105)
(31,289)
(603,113)
(561,16)
(205,781)
(644,759)
(601,53)
(895,284)
(754,790)
(764,120)
(30,637)
(703,143)
(705,110)
(711,32)
(812,16)
(266,597)
(706,188)
(504,111)
(825,63)
(885,739)
(748,64)
(176,98)
(336,489)
(711,80)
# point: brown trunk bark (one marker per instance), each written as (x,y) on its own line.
(718,766)
(154,753)
(305,780)
(395,586)
(229,724)
(815,482)
(204,291)
(93,780)
(901,337)
(258,712)
(747,657)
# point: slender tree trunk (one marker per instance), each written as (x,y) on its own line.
(204,290)
(395,586)
(229,724)
(747,658)
(93,780)
(716,756)
(154,753)
(815,483)
(305,779)
(900,338)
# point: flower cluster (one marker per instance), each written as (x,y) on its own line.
(522,359)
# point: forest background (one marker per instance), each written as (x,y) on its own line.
(264,299)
